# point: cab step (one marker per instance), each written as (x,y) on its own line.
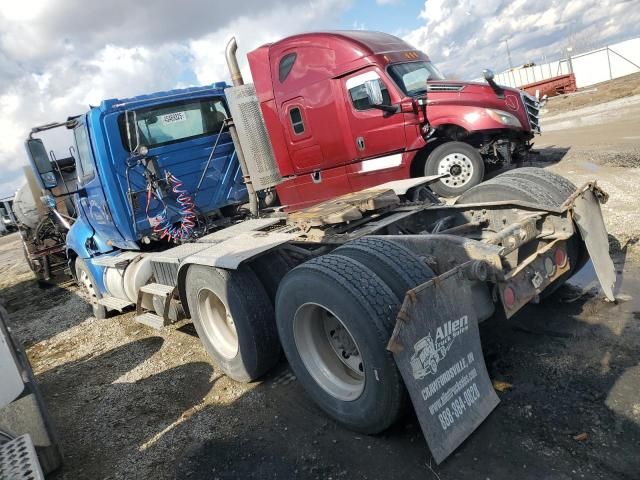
(18,460)
(157,289)
(163,292)
(113,303)
(151,320)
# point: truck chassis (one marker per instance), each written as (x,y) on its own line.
(294,279)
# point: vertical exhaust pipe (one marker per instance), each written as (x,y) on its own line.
(232,62)
(236,79)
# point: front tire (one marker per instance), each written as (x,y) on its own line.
(461,161)
(335,317)
(87,283)
(234,320)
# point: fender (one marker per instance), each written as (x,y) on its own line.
(472,119)
(77,238)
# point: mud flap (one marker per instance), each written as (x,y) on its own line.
(436,345)
(588,216)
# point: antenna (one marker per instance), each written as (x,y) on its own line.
(509,54)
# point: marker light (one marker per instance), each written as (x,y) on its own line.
(509,297)
(560,257)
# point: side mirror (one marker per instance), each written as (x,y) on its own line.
(489,77)
(374,92)
(48,201)
(41,162)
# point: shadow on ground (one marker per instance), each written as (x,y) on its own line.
(563,367)
(573,367)
(40,311)
(550,154)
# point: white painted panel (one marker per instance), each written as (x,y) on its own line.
(381,163)
(10,379)
(625,58)
(591,68)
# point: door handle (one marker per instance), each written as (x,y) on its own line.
(360,143)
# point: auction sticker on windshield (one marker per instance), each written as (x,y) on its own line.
(174,117)
(436,345)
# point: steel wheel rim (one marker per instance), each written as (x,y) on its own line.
(90,290)
(218,323)
(459,167)
(329,352)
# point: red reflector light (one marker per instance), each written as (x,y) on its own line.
(509,297)
(560,257)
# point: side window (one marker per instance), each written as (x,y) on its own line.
(174,122)
(296,121)
(286,64)
(87,169)
(358,92)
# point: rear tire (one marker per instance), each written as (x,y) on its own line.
(557,183)
(533,185)
(396,265)
(505,187)
(561,189)
(335,317)
(270,269)
(234,320)
(463,162)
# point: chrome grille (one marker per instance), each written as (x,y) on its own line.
(532,106)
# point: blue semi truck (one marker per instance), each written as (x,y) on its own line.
(175,216)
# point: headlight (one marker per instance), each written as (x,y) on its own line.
(504,118)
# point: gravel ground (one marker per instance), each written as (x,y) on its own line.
(600,142)
(129,402)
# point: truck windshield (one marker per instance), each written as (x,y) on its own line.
(169,123)
(412,77)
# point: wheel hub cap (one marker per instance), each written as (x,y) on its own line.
(343,345)
(88,285)
(459,168)
(218,323)
(329,352)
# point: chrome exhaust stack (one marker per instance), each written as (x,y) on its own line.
(236,79)
(232,62)
(249,132)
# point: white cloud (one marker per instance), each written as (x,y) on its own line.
(465,36)
(209,62)
(59,57)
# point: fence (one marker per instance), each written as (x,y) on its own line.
(592,67)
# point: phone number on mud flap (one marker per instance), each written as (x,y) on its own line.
(448,416)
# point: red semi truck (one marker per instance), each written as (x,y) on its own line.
(348,110)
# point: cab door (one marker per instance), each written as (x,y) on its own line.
(374,132)
(93,203)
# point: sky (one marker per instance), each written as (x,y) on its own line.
(57,57)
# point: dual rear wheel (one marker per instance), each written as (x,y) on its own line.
(334,316)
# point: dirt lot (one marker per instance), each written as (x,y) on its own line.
(627,86)
(129,402)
